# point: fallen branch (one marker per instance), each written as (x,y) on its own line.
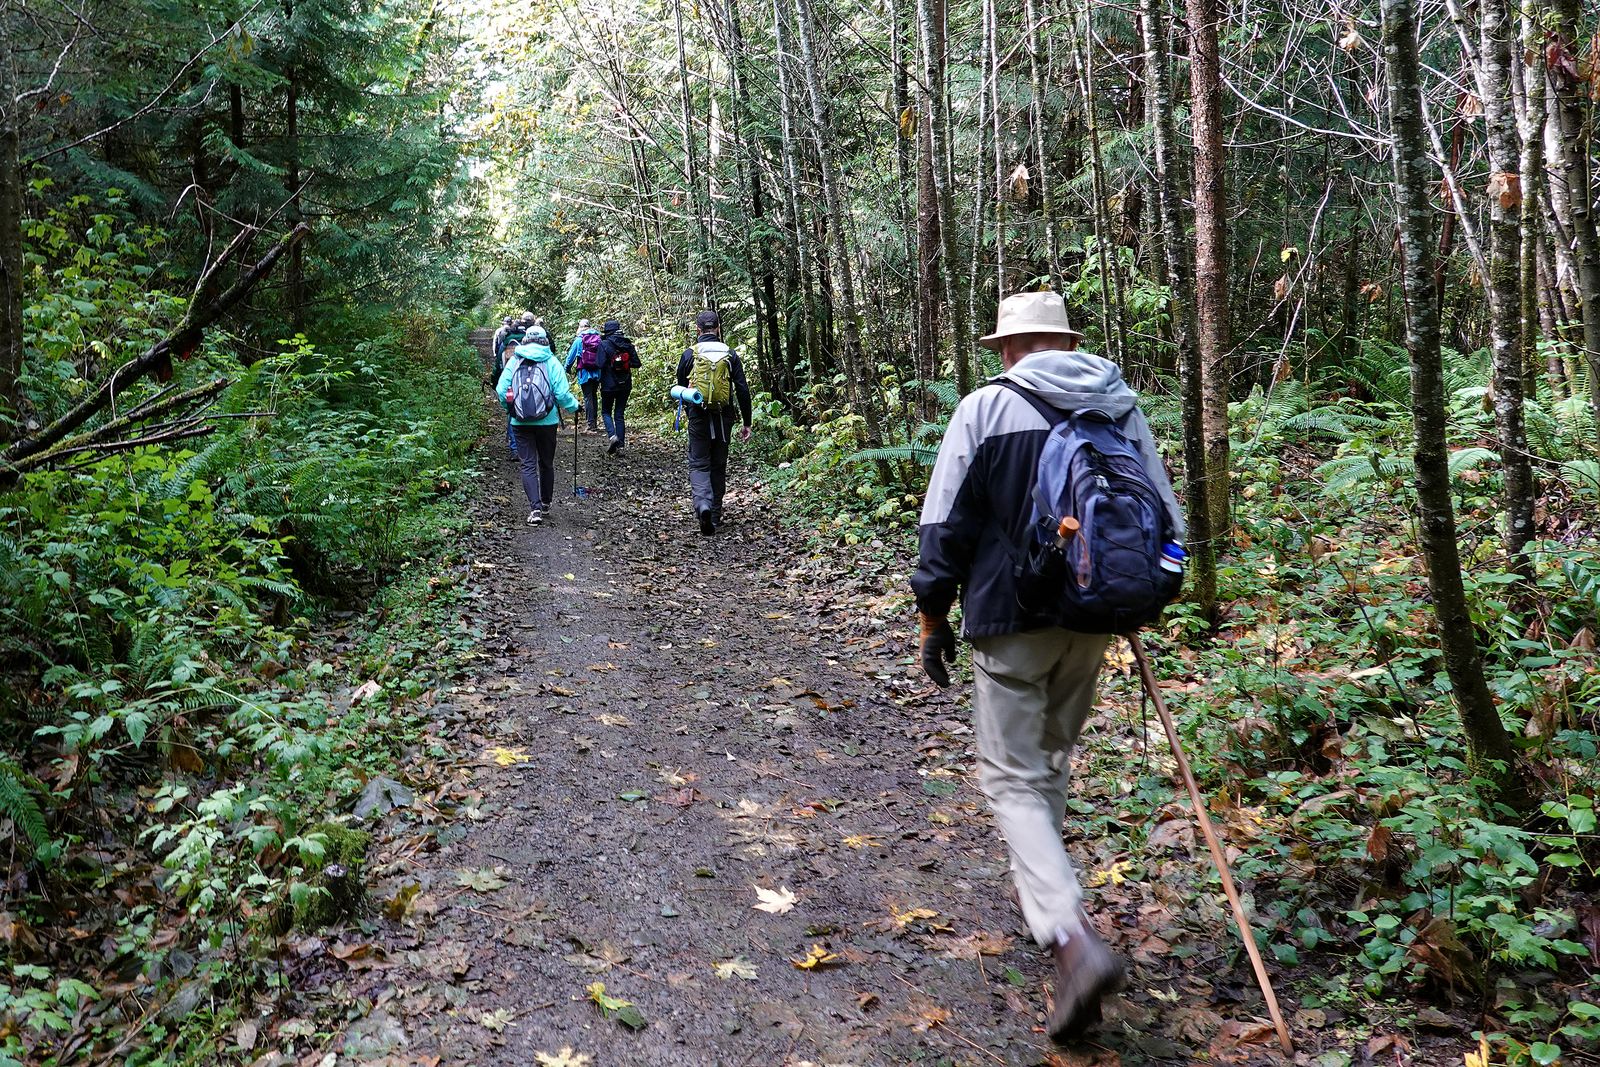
(205,308)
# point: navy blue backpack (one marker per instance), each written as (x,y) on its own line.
(1105,575)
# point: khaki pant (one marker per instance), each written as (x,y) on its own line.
(1032,693)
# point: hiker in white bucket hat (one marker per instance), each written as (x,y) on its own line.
(1034,668)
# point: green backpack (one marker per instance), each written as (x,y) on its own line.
(712,373)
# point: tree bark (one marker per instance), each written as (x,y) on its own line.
(1487,738)
(1575,163)
(702,269)
(1211,253)
(295,270)
(932,29)
(1041,175)
(10,229)
(795,201)
(1496,31)
(1180,267)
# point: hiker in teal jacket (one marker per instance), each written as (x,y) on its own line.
(536,438)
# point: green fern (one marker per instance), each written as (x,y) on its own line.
(19,803)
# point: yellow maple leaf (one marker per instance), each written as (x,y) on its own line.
(815,957)
(505,757)
(904,919)
(1479,1058)
(1115,874)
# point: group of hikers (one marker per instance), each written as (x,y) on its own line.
(1049,515)
(711,387)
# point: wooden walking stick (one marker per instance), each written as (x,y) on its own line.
(1147,676)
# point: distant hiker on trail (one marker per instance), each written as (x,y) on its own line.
(535,392)
(509,336)
(618,360)
(500,342)
(585,353)
(1035,668)
(713,369)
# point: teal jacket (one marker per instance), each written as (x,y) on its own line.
(565,401)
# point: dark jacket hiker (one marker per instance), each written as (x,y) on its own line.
(618,360)
(1034,678)
(714,369)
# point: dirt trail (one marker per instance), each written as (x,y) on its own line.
(663,723)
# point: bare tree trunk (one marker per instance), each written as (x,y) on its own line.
(931,294)
(294,273)
(1486,735)
(702,255)
(1575,138)
(1175,241)
(10,227)
(1041,158)
(1531,166)
(1505,264)
(764,289)
(795,200)
(931,27)
(859,371)
(1001,286)
(1211,252)
(1111,323)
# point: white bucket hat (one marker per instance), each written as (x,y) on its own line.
(1029,313)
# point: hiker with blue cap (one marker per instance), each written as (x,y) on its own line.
(1050,514)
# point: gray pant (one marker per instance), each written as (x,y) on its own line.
(1032,693)
(709,435)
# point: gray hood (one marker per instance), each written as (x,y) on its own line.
(1074,381)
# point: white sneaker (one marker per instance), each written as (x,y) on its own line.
(535,517)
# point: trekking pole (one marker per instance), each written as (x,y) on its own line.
(1218,857)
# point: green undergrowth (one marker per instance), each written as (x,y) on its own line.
(206,652)
(1318,715)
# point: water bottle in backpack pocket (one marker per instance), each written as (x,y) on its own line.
(1092,561)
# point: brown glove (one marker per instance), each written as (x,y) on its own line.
(938,648)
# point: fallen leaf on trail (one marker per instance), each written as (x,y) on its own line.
(565,1058)
(581,743)
(816,956)
(623,1011)
(978,943)
(929,1016)
(903,919)
(1478,1057)
(679,798)
(560,691)
(778,615)
(496,1020)
(570,577)
(611,718)
(676,778)
(1115,874)
(362,956)
(602,666)
(482,881)
(775,901)
(365,691)
(865,1001)
(398,906)
(616,644)
(862,841)
(738,967)
(505,757)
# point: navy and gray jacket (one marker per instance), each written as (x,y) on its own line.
(977,513)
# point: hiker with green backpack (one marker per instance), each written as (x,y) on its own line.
(534,390)
(1050,514)
(712,371)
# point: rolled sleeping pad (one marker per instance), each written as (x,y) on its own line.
(686,394)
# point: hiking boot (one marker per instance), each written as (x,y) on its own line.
(535,517)
(716,518)
(707,525)
(1086,971)
(615,444)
